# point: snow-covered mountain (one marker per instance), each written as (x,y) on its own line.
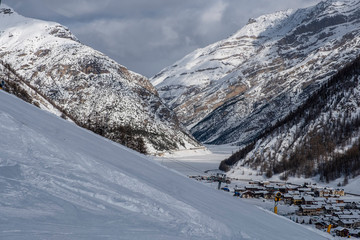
(59,181)
(231,91)
(48,63)
(319,139)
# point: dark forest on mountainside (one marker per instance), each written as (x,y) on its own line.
(316,152)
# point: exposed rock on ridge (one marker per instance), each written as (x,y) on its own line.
(94,90)
(231,91)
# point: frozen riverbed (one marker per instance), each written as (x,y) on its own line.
(197,162)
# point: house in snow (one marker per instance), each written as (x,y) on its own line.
(310,210)
(288,198)
(341,232)
(297,200)
(308,200)
(248,194)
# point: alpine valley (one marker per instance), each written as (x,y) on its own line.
(285,89)
(45,64)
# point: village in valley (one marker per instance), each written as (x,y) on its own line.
(329,209)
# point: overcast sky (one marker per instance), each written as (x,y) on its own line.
(148,35)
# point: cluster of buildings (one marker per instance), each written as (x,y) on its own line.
(322,206)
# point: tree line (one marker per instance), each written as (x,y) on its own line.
(125,135)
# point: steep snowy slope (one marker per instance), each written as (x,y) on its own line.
(86,85)
(232,90)
(59,181)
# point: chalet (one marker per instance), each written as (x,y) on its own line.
(339,192)
(308,200)
(321,225)
(271,188)
(330,209)
(341,232)
(259,194)
(288,198)
(294,193)
(354,233)
(349,223)
(297,200)
(350,204)
(238,192)
(309,210)
(283,189)
(264,183)
(291,188)
(341,206)
(269,195)
(330,219)
(254,188)
(348,212)
(320,200)
(351,220)
(310,194)
(239,189)
(326,192)
(248,194)
(304,190)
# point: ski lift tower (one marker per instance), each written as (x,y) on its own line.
(220,178)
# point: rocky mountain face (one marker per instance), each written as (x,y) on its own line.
(52,69)
(320,138)
(235,89)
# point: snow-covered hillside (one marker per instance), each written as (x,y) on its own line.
(232,90)
(59,181)
(85,85)
(320,138)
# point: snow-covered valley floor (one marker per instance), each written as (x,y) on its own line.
(199,162)
(196,162)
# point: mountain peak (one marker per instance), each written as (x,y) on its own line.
(257,26)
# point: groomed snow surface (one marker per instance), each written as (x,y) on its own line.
(58,181)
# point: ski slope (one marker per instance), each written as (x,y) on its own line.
(58,181)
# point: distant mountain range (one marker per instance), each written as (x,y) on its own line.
(45,64)
(284,89)
(320,138)
(233,90)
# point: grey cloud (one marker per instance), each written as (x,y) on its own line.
(148,35)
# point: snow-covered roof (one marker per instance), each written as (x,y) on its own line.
(308,198)
(311,207)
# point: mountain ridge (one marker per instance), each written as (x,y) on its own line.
(320,138)
(92,89)
(274,62)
